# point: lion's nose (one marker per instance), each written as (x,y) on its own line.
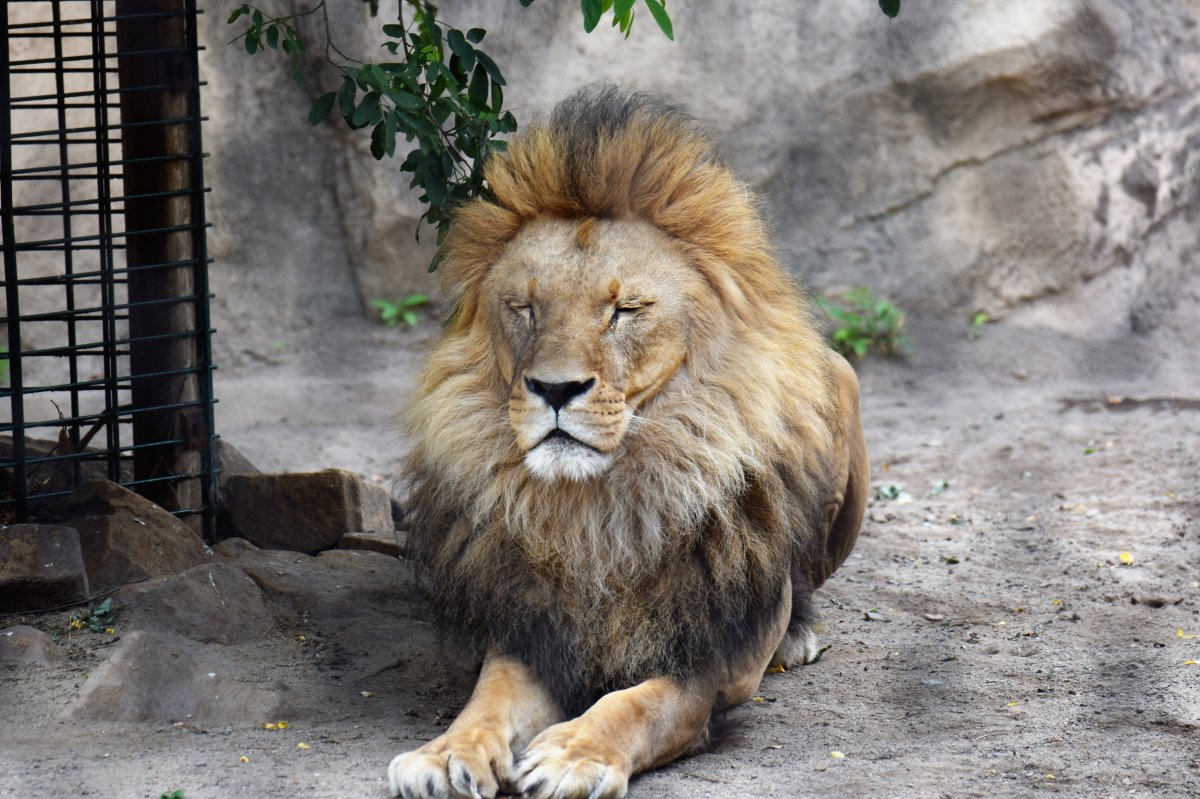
(557,395)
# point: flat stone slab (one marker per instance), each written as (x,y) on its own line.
(157,677)
(28,645)
(211,603)
(126,538)
(336,585)
(41,566)
(305,512)
(390,543)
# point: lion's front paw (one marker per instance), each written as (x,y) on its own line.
(566,762)
(451,766)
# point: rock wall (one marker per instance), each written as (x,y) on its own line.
(1037,156)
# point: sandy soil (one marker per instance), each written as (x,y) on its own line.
(986,637)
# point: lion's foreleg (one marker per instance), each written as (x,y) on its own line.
(625,732)
(508,707)
(639,728)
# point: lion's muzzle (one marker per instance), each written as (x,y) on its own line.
(567,429)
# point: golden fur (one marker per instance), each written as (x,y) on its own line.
(696,487)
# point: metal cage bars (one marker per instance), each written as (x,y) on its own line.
(105,264)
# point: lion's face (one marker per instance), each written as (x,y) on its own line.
(590,319)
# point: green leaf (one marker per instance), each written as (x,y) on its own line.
(627,24)
(414,301)
(368,112)
(376,77)
(435,181)
(436,261)
(490,66)
(346,97)
(622,7)
(237,12)
(458,44)
(406,100)
(659,12)
(497,98)
(390,121)
(441,110)
(418,124)
(890,7)
(526,4)
(475,35)
(592,10)
(456,69)
(321,108)
(395,31)
(273,37)
(297,46)
(410,318)
(478,90)
(379,141)
(251,42)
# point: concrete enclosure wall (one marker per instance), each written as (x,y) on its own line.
(1035,158)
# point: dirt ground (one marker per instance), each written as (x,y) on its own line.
(1020,616)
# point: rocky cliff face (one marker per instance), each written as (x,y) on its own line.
(1036,158)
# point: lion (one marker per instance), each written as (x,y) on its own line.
(636,458)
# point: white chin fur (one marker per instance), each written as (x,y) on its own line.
(555,459)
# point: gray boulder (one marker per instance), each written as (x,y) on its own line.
(28,645)
(126,538)
(210,603)
(337,585)
(154,677)
(305,512)
(41,566)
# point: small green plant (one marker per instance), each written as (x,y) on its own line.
(3,366)
(402,310)
(975,325)
(97,619)
(176,794)
(865,322)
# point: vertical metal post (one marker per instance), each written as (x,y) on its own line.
(12,294)
(68,253)
(108,300)
(156,80)
(207,428)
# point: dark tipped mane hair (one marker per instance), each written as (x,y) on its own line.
(709,585)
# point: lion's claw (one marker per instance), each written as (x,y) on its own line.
(439,770)
(564,764)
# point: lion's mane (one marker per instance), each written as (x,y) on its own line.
(674,560)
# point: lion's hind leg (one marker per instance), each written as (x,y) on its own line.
(800,645)
(848,484)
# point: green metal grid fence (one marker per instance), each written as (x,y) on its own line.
(107,368)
